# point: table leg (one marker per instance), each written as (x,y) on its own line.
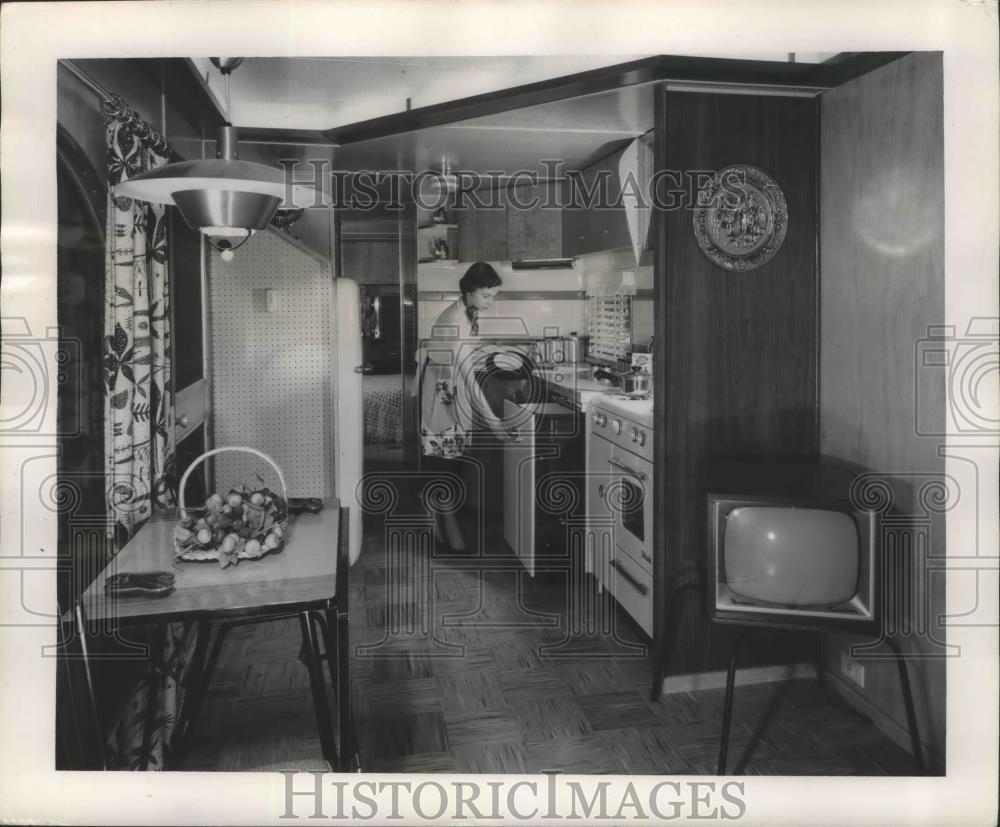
(318,685)
(81,628)
(336,633)
(727,711)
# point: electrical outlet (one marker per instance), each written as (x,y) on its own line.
(852,669)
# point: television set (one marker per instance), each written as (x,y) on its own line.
(802,562)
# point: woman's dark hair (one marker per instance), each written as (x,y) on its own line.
(479,276)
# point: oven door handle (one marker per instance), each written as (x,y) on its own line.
(628,578)
(621,466)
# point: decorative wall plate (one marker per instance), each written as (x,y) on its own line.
(741,218)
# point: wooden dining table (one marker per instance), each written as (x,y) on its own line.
(307,577)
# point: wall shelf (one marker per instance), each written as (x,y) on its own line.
(430,236)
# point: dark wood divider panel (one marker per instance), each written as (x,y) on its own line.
(739,349)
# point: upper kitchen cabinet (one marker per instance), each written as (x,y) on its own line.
(482,230)
(370,261)
(521,223)
(594,223)
(534,222)
(369,247)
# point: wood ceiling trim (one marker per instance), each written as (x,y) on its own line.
(490,103)
(712,70)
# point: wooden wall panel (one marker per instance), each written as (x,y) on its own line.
(740,348)
(882,257)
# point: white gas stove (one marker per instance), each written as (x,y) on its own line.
(620,502)
(624,421)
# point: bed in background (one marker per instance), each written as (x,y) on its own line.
(383,408)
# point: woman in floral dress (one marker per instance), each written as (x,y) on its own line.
(452,405)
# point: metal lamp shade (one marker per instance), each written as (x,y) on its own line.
(217,176)
(226,208)
(219,196)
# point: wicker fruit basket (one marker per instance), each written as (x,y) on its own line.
(246,523)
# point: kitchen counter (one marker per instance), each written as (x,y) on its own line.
(575,381)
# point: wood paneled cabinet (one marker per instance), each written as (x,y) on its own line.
(482,231)
(534,222)
(369,261)
(527,224)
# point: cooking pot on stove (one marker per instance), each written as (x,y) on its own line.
(634,383)
(637,382)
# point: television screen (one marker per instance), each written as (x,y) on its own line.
(791,555)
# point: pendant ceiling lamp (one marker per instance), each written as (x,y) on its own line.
(226,199)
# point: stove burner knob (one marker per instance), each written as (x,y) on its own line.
(616,426)
(641,437)
(635,434)
(600,419)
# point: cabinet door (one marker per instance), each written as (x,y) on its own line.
(370,262)
(574,218)
(482,232)
(611,228)
(595,228)
(519,488)
(535,232)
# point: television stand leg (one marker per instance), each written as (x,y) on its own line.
(911,712)
(727,710)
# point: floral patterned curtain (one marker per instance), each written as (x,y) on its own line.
(142,736)
(137,411)
(139,431)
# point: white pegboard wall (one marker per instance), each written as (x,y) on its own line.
(272,370)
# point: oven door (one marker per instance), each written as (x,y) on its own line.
(630,500)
